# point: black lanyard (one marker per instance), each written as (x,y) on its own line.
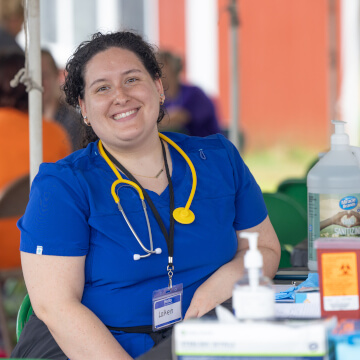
(169,237)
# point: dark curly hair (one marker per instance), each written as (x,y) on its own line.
(76,65)
(17,97)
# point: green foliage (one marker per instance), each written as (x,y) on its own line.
(273,165)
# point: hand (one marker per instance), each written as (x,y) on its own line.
(356,215)
(343,218)
(176,120)
(201,303)
(192,312)
(178,116)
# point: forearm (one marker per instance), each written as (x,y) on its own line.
(271,260)
(218,287)
(80,333)
(325,223)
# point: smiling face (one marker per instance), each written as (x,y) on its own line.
(121,100)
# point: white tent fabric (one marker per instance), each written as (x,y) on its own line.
(33,59)
(234,79)
(350,60)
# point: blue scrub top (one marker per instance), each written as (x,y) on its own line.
(71,212)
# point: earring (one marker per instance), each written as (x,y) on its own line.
(162,99)
(87,123)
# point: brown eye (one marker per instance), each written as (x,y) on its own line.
(102,88)
(132,80)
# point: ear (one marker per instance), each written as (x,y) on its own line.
(159,86)
(82,106)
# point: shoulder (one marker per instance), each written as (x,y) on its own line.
(8,42)
(218,150)
(191,143)
(78,161)
(192,92)
(52,126)
(66,175)
(13,116)
(55,131)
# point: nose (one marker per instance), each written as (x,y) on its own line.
(121,96)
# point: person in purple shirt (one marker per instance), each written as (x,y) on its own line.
(189,109)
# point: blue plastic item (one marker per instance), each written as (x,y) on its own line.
(311,281)
(345,339)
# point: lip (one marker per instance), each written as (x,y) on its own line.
(124,115)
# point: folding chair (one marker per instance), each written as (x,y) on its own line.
(23,315)
(289,221)
(13,201)
(296,189)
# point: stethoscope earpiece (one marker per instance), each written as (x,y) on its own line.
(157,251)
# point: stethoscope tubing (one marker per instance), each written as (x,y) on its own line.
(191,166)
(120,180)
(151,251)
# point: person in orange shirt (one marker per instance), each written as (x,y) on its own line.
(14,147)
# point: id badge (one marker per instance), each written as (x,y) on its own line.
(166,305)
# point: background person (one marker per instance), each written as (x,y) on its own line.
(54,106)
(11,21)
(14,148)
(76,247)
(190,110)
(14,125)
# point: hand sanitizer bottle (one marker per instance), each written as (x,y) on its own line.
(253,295)
(334,193)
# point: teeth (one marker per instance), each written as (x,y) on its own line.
(122,115)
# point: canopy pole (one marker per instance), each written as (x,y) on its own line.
(234,76)
(35,94)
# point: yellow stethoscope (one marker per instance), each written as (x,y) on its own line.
(182,215)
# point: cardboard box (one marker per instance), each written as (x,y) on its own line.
(210,339)
(312,297)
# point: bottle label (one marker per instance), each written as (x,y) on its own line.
(332,215)
(340,281)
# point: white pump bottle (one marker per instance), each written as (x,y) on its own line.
(253,295)
(333,193)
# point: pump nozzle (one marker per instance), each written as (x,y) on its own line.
(252,239)
(253,260)
(339,137)
(253,296)
(253,257)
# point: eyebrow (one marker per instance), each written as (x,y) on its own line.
(127,72)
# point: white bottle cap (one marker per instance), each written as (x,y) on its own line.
(253,258)
(253,300)
(339,137)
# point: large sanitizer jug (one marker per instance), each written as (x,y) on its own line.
(334,193)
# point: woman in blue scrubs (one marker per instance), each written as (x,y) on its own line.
(97,283)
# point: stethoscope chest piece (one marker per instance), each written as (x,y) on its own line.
(183,215)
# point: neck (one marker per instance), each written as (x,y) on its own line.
(146,159)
